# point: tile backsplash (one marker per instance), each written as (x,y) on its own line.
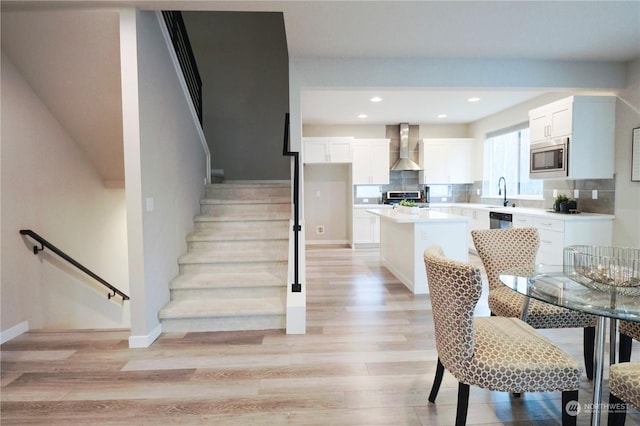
(467,193)
(604,204)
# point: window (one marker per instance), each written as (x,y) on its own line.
(506,154)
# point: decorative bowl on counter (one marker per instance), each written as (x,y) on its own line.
(415,210)
(602,267)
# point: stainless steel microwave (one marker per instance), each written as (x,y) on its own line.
(549,159)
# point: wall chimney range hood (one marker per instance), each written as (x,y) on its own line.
(404,163)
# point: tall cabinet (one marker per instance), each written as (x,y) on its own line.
(370,166)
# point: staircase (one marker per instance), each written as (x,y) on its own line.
(234,274)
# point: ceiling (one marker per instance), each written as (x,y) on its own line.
(594,31)
(411,106)
(601,31)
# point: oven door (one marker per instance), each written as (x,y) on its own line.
(549,159)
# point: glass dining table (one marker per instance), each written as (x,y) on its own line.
(549,284)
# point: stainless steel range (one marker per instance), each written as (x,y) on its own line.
(394,197)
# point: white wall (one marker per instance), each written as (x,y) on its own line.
(49,186)
(328,202)
(164,161)
(242,58)
(626,227)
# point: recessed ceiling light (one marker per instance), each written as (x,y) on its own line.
(473,99)
(442,115)
(363,116)
(376,99)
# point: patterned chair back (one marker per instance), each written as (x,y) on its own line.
(454,289)
(502,249)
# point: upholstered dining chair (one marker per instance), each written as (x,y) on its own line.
(624,387)
(629,331)
(503,249)
(495,353)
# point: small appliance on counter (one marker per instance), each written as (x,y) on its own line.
(570,207)
(394,197)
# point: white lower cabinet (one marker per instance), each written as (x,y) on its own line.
(366,227)
(556,234)
(520,221)
(479,221)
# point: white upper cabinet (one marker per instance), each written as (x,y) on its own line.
(551,121)
(446,161)
(589,124)
(327,150)
(370,162)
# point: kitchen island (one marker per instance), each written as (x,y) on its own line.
(404,237)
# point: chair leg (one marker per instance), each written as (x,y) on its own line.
(463,404)
(589,336)
(624,348)
(436,382)
(569,408)
(616,416)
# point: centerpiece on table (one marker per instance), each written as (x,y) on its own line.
(408,207)
(604,268)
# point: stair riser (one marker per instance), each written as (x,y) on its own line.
(229,192)
(278,268)
(211,222)
(245,225)
(246,210)
(229,293)
(260,227)
(262,322)
(277,248)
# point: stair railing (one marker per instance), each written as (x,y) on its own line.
(296,287)
(46,244)
(182,46)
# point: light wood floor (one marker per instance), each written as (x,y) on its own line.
(368,358)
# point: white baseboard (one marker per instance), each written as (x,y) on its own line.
(145,341)
(14,331)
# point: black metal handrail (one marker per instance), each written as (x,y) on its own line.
(182,46)
(44,243)
(296,287)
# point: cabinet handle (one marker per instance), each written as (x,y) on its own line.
(545,242)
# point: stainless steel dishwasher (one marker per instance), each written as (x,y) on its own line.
(499,220)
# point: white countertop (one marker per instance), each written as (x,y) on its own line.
(425,215)
(529,211)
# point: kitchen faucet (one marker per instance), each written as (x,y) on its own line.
(502,180)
